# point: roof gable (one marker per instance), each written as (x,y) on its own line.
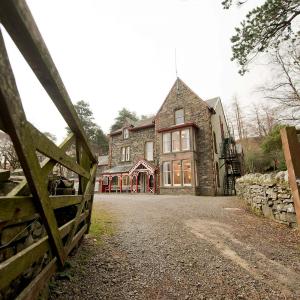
(179,84)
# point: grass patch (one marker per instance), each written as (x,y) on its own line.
(102,223)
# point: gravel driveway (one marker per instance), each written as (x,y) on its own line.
(185,247)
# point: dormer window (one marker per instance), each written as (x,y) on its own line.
(125,133)
(179,116)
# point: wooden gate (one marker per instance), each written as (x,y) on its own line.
(17,20)
(291,149)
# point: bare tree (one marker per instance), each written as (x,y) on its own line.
(284,87)
(239,119)
(261,119)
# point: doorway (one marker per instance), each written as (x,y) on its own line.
(142,182)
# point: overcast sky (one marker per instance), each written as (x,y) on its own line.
(118,53)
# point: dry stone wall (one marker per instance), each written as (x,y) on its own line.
(268,195)
(14,239)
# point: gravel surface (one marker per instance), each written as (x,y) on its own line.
(184,247)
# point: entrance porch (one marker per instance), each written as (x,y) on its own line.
(139,178)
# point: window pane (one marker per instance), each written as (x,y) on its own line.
(127,153)
(187,172)
(176,172)
(185,139)
(126,133)
(166,142)
(175,141)
(149,151)
(123,154)
(179,116)
(167,173)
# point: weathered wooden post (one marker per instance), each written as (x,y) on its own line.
(291,149)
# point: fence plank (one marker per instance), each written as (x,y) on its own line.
(76,239)
(48,148)
(48,163)
(14,208)
(66,228)
(15,122)
(19,23)
(86,196)
(37,284)
(14,266)
(291,149)
(47,166)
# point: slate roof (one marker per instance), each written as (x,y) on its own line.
(136,124)
(103,160)
(119,169)
(144,122)
(212,102)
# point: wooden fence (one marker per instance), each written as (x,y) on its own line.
(291,149)
(17,20)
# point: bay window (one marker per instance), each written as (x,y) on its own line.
(166,173)
(175,141)
(176,172)
(185,139)
(187,172)
(167,142)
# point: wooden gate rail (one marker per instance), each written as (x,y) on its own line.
(291,149)
(16,208)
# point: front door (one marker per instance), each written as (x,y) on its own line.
(142,182)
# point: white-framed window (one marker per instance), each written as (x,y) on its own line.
(128,153)
(149,151)
(166,173)
(185,139)
(176,172)
(187,172)
(123,154)
(175,141)
(167,142)
(125,133)
(179,116)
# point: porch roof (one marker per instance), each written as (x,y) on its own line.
(118,169)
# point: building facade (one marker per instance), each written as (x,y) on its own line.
(178,151)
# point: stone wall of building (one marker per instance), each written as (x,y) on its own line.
(196,111)
(136,142)
(268,195)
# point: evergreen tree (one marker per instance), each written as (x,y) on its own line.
(93,131)
(122,117)
(264,28)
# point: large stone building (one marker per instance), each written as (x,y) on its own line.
(175,152)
